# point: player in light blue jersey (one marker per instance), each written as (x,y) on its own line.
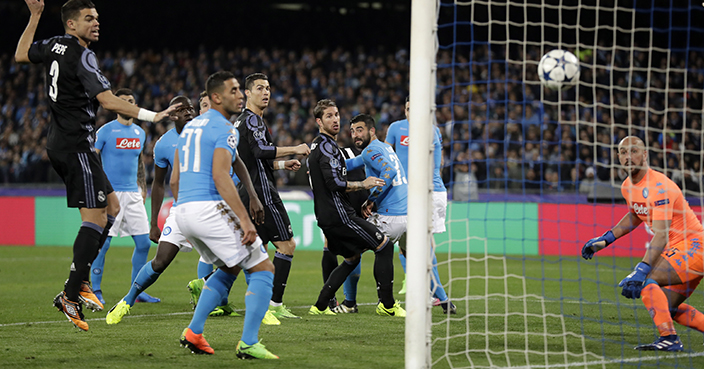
(211,215)
(397,136)
(120,144)
(171,240)
(390,200)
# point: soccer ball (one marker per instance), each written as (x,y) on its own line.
(558,70)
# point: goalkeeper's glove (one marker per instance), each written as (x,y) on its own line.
(633,284)
(598,243)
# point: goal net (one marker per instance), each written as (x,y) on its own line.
(533,174)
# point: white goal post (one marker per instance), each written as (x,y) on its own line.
(421,118)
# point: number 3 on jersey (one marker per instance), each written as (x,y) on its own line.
(190,137)
(53,86)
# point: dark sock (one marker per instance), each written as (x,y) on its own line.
(103,237)
(384,274)
(282,267)
(329,263)
(84,250)
(336,279)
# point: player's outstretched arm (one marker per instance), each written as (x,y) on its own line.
(36,7)
(369,182)
(222,162)
(157,200)
(256,209)
(301,149)
(113,103)
(629,222)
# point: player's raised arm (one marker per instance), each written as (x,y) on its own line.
(111,102)
(36,7)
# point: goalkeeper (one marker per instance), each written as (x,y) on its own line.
(672,266)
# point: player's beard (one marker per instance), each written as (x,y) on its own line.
(364,143)
(124,117)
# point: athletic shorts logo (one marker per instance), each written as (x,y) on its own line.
(166,231)
(97,271)
(378,236)
(404,140)
(261,247)
(290,230)
(101,196)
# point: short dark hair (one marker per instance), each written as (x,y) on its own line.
(366,118)
(72,8)
(216,81)
(124,92)
(321,106)
(179,98)
(408,98)
(249,81)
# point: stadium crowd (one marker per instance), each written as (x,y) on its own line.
(498,132)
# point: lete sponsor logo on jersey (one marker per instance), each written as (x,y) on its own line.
(404,140)
(128,143)
(639,208)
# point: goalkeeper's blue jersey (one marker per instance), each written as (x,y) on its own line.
(380,161)
(196,145)
(397,135)
(120,146)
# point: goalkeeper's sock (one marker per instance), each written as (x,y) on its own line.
(337,277)
(204,269)
(350,285)
(256,302)
(98,265)
(145,278)
(656,303)
(690,317)
(215,288)
(282,265)
(329,263)
(140,253)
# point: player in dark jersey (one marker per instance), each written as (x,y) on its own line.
(76,88)
(329,261)
(258,152)
(347,234)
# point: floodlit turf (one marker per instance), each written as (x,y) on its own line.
(546,295)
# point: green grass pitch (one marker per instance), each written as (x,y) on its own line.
(501,320)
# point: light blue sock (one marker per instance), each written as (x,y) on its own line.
(139,256)
(403,262)
(439,292)
(204,269)
(145,278)
(256,302)
(247,276)
(98,265)
(350,285)
(215,287)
